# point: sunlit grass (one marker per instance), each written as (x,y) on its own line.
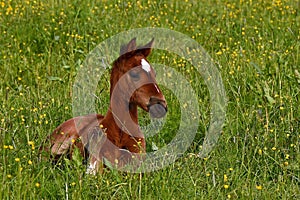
(255,45)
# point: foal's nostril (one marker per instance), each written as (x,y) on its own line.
(157,107)
(157,111)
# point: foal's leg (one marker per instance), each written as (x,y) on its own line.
(134,153)
(136,145)
(95,143)
(101,149)
(95,165)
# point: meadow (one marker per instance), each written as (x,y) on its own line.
(254,43)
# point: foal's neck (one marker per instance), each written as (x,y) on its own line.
(117,125)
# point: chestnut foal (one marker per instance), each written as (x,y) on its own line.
(115,137)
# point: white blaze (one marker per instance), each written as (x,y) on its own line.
(146,66)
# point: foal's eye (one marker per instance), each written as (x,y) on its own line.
(134,75)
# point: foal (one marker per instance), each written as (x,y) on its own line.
(116,136)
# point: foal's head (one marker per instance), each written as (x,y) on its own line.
(133,80)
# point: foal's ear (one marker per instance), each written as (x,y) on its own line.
(130,47)
(146,49)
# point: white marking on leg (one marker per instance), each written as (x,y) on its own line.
(146,65)
(91,169)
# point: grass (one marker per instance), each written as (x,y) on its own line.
(255,44)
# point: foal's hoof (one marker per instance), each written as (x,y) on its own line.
(157,111)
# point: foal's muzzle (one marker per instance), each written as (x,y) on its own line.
(157,107)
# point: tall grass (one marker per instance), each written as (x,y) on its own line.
(254,43)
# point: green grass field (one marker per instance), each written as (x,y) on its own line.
(255,44)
